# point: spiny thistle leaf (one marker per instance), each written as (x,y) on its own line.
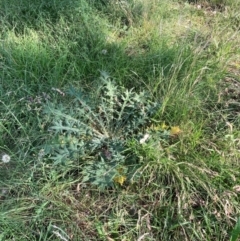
(98,129)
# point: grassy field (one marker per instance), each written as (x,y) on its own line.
(146,93)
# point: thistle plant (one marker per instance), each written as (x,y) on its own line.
(95,130)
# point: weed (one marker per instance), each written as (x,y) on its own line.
(98,130)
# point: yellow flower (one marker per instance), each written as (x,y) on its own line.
(120,179)
(164,126)
(159,127)
(175,130)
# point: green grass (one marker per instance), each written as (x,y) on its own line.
(185,56)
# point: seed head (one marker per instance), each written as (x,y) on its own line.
(6,158)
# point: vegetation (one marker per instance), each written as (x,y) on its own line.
(119,120)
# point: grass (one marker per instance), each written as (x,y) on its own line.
(186,54)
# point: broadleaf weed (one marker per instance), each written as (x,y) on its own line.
(98,129)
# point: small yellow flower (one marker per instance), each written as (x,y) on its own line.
(175,130)
(159,127)
(164,126)
(120,179)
